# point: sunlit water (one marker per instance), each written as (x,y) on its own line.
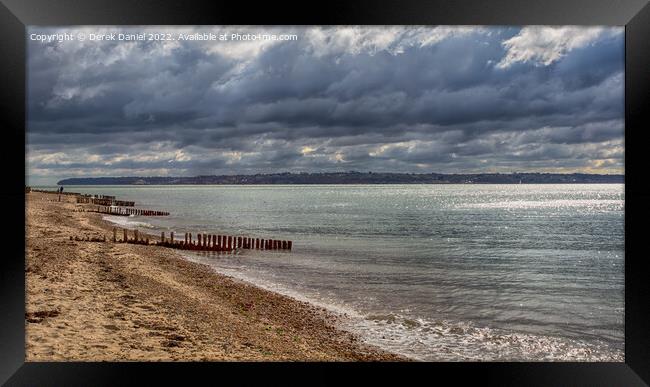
(435,272)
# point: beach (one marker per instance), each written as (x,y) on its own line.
(105,301)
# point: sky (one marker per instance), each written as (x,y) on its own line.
(416,99)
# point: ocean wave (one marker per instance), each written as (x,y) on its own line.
(459,341)
(127,221)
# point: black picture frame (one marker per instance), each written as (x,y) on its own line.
(15,15)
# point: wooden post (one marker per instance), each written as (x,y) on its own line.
(289,245)
(284,245)
(198,236)
(229,242)
(171,237)
(114,234)
(126,237)
(189,238)
(162,237)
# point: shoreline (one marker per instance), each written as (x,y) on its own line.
(104,301)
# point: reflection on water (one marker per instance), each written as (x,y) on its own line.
(438,272)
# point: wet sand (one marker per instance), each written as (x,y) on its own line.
(104,301)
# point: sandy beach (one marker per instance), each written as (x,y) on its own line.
(105,301)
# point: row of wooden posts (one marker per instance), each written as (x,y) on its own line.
(29,189)
(206,242)
(88,239)
(97,196)
(104,201)
(127,211)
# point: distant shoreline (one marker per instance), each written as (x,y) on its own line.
(346,178)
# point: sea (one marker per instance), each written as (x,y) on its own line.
(470,272)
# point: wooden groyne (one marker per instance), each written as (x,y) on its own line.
(104,201)
(97,196)
(106,204)
(29,189)
(88,239)
(120,211)
(205,242)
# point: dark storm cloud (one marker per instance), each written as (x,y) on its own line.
(403,99)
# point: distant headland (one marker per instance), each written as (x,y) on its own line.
(354,177)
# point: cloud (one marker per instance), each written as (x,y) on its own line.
(406,99)
(545,45)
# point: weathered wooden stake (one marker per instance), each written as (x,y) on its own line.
(114,234)
(162,237)
(171,237)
